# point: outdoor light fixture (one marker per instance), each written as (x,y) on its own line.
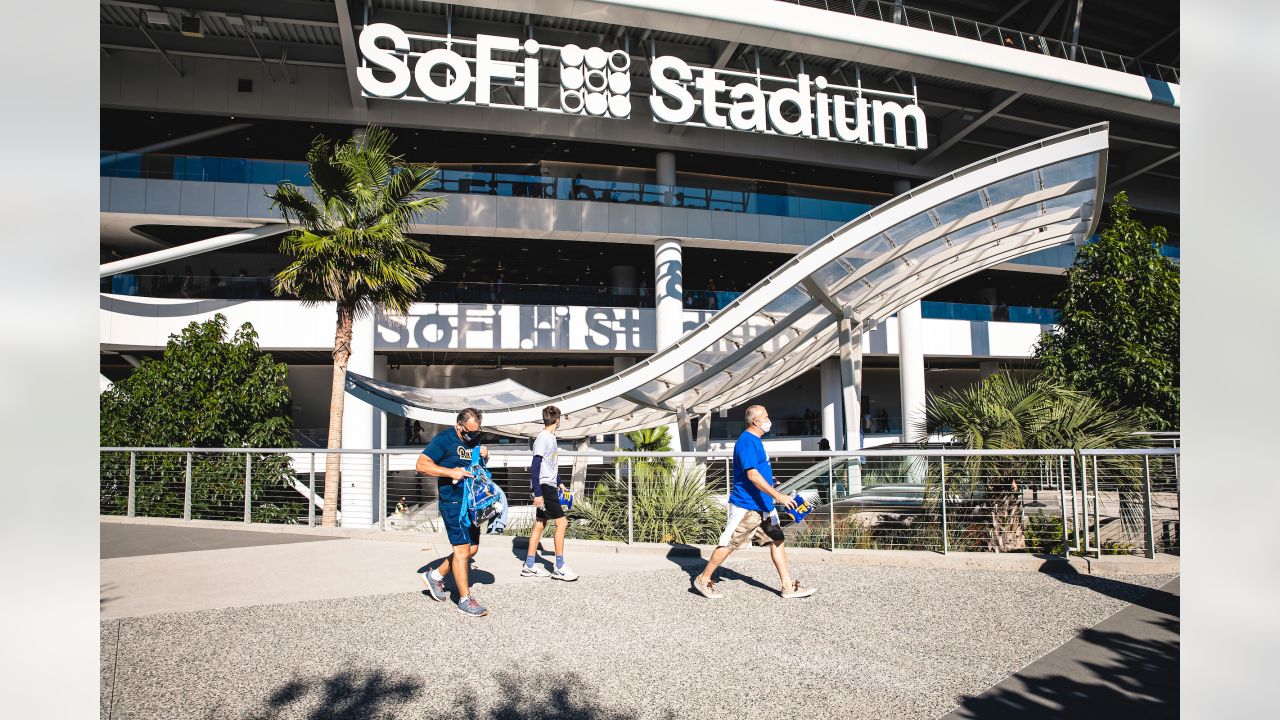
(192,27)
(157,17)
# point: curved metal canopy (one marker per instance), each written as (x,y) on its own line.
(1026,199)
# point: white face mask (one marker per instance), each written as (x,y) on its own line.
(766,426)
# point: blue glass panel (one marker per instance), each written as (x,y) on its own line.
(233,170)
(296,172)
(266,172)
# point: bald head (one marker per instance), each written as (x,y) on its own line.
(754,413)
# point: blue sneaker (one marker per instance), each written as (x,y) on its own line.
(435,587)
(469,606)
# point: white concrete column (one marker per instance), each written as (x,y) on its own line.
(666,167)
(911,368)
(668,303)
(851,382)
(851,393)
(832,413)
(987,368)
(620,363)
(362,429)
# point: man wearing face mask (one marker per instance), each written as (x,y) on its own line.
(751,509)
(447,458)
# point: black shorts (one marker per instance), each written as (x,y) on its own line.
(551,508)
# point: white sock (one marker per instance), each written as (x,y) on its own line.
(435,575)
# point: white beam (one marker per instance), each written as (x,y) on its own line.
(190,249)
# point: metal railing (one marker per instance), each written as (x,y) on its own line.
(973,30)
(1062,502)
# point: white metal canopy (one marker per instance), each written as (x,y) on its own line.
(1026,199)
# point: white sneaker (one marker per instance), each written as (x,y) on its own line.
(535,571)
(795,591)
(564,573)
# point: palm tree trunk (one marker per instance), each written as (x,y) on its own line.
(337,401)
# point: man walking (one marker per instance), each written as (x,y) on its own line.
(544,481)
(751,509)
(447,457)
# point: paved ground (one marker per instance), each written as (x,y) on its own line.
(629,640)
(1124,667)
(123,540)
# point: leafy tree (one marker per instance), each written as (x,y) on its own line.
(205,392)
(351,248)
(1118,335)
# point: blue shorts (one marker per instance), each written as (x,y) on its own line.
(450,508)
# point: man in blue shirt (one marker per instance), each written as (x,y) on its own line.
(751,509)
(447,458)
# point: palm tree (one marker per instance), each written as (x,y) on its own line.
(1006,413)
(351,248)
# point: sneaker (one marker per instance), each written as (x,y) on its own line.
(795,591)
(435,587)
(705,589)
(564,573)
(535,571)
(472,608)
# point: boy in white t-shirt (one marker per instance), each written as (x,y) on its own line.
(544,481)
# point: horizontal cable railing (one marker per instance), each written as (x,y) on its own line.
(994,34)
(1056,501)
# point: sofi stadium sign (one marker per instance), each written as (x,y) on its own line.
(504,72)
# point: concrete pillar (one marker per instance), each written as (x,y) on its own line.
(851,393)
(363,428)
(620,363)
(832,412)
(987,368)
(666,167)
(578,476)
(901,185)
(911,368)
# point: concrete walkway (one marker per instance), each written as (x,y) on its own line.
(1124,667)
(341,629)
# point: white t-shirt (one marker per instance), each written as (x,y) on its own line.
(545,445)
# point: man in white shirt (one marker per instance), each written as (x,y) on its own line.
(544,482)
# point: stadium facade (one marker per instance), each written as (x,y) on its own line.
(616,171)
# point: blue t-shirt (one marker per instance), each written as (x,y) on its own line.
(748,453)
(448,451)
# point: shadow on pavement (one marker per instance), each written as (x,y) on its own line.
(686,558)
(537,697)
(1125,667)
(348,696)
(1139,681)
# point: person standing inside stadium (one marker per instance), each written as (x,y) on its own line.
(446,458)
(544,482)
(751,509)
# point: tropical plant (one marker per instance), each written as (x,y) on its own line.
(1007,413)
(351,248)
(652,440)
(206,391)
(669,505)
(1118,334)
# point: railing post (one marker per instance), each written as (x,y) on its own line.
(248,487)
(1075,511)
(728,476)
(383,460)
(630,517)
(186,493)
(1062,501)
(132,483)
(1097,516)
(831,500)
(942,475)
(311,501)
(1146,490)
